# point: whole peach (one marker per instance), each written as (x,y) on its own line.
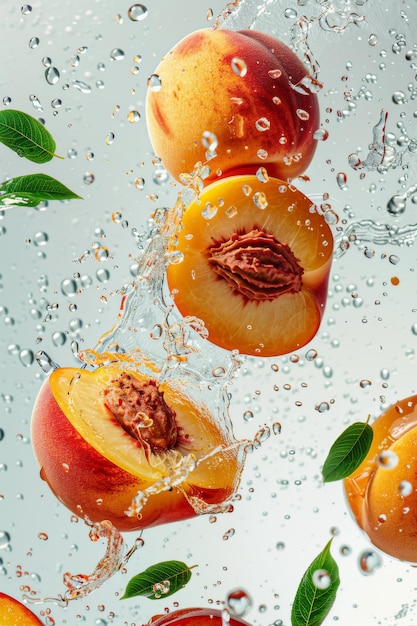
(237,101)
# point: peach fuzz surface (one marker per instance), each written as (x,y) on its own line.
(236,101)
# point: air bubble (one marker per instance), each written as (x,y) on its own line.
(137,12)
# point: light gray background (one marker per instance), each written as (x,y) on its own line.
(366,334)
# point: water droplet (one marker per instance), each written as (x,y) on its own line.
(275,73)
(321,134)
(397,204)
(209,211)
(34,42)
(209,141)
(228,534)
(311,354)
(81,86)
(140,183)
(109,139)
(88,178)
(259,199)
(239,66)
(59,338)
(394,259)
(321,579)
(387,459)
(263,124)
(398,97)
(43,536)
(26,9)
(133,117)
(290,13)
(26,357)
(303,115)
(369,561)
(342,181)
(373,39)
(248,416)
(137,12)
(160,176)
(4,539)
(154,82)
(405,488)
(52,75)
(117,54)
(238,602)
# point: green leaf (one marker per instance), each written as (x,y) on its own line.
(348,451)
(32,189)
(159,581)
(26,136)
(316,591)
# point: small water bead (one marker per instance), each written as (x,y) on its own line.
(34,42)
(321,134)
(387,459)
(140,183)
(405,488)
(117,54)
(26,9)
(133,117)
(81,86)
(209,141)
(26,357)
(303,115)
(88,178)
(154,82)
(7,101)
(321,579)
(263,124)
(414,329)
(239,602)
(228,534)
(239,66)
(394,259)
(373,39)
(137,12)
(369,561)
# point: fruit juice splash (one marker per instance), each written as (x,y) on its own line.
(148,338)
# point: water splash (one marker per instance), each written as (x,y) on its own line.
(382,154)
(370,231)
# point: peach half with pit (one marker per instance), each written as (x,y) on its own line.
(104,437)
(14,613)
(382,492)
(236,101)
(253,264)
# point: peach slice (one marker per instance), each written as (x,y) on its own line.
(236,101)
(255,261)
(195,617)
(382,492)
(14,613)
(96,465)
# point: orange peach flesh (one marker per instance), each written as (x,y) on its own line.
(382,495)
(257,116)
(264,328)
(97,469)
(194,617)
(14,613)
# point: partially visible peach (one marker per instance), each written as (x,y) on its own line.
(96,467)
(255,262)
(194,617)
(382,492)
(236,101)
(14,613)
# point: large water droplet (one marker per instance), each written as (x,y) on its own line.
(154,82)
(52,75)
(117,54)
(137,12)
(4,539)
(33,42)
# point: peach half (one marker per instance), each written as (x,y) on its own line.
(195,617)
(102,437)
(235,101)
(14,613)
(382,492)
(254,262)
